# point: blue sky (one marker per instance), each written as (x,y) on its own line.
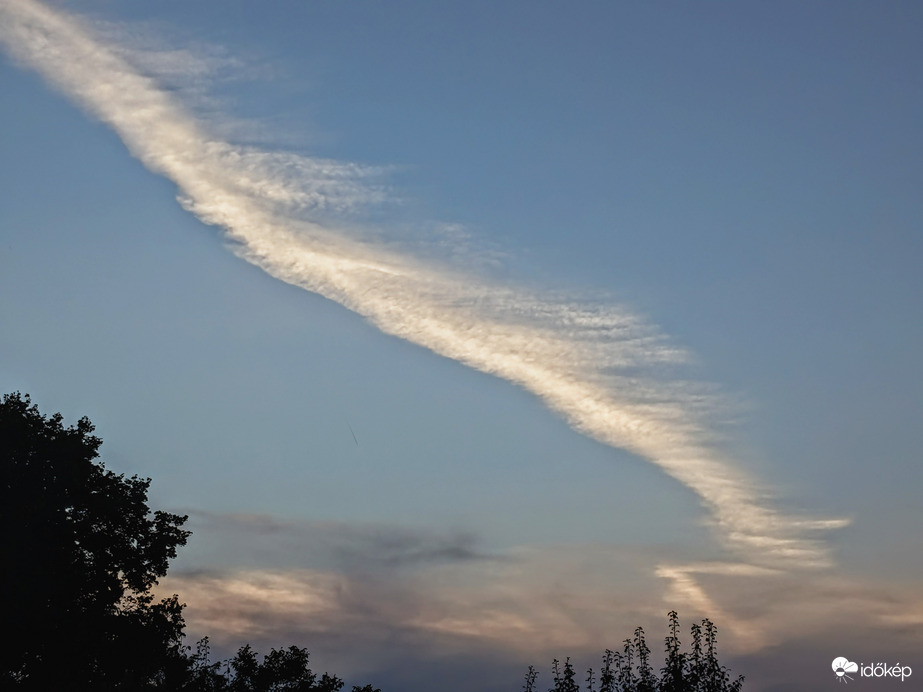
(544,247)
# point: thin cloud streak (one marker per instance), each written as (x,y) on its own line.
(598,367)
(348,547)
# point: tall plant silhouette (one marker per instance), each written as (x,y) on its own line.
(673,673)
(630,669)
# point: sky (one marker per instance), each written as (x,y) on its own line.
(473,334)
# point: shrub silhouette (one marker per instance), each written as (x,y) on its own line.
(630,670)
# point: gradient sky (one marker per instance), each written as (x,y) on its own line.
(611,309)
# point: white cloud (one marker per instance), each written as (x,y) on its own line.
(607,372)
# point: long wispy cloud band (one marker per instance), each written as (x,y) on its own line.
(599,367)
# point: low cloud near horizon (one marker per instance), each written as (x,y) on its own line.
(380,589)
(361,596)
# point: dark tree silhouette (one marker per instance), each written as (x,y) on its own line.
(281,670)
(630,670)
(81,551)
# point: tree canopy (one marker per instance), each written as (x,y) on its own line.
(82,550)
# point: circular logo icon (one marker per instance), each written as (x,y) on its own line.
(841,666)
